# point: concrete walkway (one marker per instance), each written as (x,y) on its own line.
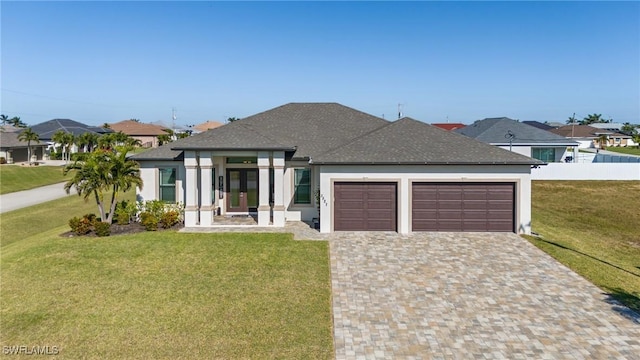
(468,296)
(21,199)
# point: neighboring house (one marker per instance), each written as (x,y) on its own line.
(15,151)
(539,125)
(208,125)
(9,128)
(589,136)
(449,126)
(522,139)
(146,133)
(357,171)
(47,129)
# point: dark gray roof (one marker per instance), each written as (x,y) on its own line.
(9,140)
(408,141)
(163,152)
(538,124)
(307,128)
(46,129)
(494,131)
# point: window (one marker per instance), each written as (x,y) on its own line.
(544,154)
(167,184)
(302,184)
(242,160)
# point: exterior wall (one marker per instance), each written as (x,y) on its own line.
(21,154)
(587,171)
(297,212)
(150,178)
(522,150)
(405,175)
(147,140)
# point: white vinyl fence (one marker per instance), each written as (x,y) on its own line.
(587,171)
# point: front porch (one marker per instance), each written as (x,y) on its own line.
(234,188)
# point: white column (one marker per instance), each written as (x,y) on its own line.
(278,188)
(206,184)
(575,153)
(264,209)
(191,185)
(326,206)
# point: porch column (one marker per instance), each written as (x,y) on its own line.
(278,188)
(206,182)
(190,188)
(575,153)
(263,178)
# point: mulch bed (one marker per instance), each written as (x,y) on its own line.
(117,229)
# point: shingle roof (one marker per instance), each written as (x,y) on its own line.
(134,128)
(163,152)
(307,128)
(538,124)
(584,131)
(46,129)
(495,131)
(408,141)
(10,140)
(210,124)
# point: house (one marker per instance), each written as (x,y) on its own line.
(146,133)
(15,151)
(522,139)
(47,129)
(589,136)
(353,170)
(207,125)
(449,126)
(538,124)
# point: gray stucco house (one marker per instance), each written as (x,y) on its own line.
(357,171)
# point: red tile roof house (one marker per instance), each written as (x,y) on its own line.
(358,171)
(146,133)
(449,126)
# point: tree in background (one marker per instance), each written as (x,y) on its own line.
(104,172)
(111,140)
(66,140)
(232,119)
(166,138)
(14,121)
(88,141)
(572,119)
(29,135)
(603,140)
(106,126)
(594,119)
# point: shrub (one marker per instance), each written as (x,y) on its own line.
(124,212)
(82,226)
(155,207)
(102,228)
(79,156)
(149,221)
(3,160)
(169,218)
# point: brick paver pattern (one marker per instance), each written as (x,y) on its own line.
(468,296)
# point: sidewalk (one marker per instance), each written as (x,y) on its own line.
(21,199)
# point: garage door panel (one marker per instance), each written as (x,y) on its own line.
(365,206)
(463,207)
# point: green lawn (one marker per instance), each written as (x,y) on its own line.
(625,150)
(16,177)
(22,223)
(593,227)
(163,294)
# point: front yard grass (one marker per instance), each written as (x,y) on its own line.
(593,227)
(22,223)
(171,295)
(625,150)
(16,177)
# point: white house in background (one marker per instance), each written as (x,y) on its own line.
(357,171)
(522,138)
(589,137)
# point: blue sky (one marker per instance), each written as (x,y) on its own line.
(99,62)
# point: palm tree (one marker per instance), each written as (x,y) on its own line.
(102,172)
(88,141)
(603,139)
(28,135)
(65,140)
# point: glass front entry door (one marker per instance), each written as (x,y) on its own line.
(242,195)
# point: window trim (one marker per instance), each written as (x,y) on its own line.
(161,186)
(295,187)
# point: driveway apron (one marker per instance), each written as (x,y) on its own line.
(468,296)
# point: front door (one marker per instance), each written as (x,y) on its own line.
(242,195)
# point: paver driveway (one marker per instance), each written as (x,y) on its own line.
(465,296)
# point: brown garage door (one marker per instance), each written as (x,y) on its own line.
(365,206)
(463,207)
